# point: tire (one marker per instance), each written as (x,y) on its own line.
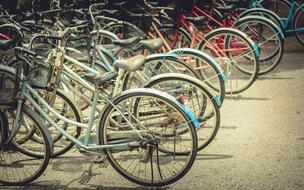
(209,70)
(298,23)
(22,166)
(61,144)
(162,178)
(238,73)
(281,11)
(197,98)
(275,46)
(265,13)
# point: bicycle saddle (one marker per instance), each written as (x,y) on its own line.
(153,44)
(131,64)
(126,42)
(102,79)
(197,20)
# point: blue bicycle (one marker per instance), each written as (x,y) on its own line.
(288,15)
(291,14)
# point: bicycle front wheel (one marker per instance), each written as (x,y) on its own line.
(298,24)
(153,159)
(18,166)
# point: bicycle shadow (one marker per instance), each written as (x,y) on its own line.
(88,170)
(213,156)
(46,185)
(244,98)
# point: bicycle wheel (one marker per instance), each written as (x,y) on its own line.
(197,98)
(155,113)
(280,7)
(268,38)
(65,107)
(265,13)
(237,54)
(18,167)
(298,24)
(210,72)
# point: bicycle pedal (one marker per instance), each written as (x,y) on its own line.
(100,159)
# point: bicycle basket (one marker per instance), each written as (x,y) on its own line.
(39,74)
(7,85)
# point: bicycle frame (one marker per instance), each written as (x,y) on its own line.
(28,93)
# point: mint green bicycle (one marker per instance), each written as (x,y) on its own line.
(145,134)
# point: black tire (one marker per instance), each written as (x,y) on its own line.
(149,94)
(12,149)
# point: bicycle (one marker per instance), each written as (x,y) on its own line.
(126,73)
(126,125)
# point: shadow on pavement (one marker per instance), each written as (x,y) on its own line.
(274,78)
(228,127)
(50,185)
(213,156)
(236,98)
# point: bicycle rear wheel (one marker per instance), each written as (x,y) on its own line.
(210,72)
(280,7)
(153,161)
(268,38)
(196,97)
(237,54)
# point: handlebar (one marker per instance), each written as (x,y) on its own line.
(22,50)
